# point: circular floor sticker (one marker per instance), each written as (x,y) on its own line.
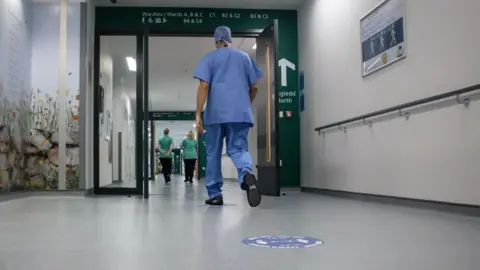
(282,241)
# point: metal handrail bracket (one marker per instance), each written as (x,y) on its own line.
(402,113)
(368,122)
(463,100)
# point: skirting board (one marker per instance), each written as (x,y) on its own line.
(469,210)
(35,193)
(89,192)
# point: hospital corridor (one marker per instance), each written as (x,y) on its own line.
(227,135)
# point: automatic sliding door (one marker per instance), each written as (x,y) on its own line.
(118,129)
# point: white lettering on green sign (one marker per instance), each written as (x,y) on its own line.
(194,17)
(152,20)
(259,16)
(231,15)
(192,21)
(160,20)
(286,97)
(184,14)
(161,17)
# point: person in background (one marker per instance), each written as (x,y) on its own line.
(165,151)
(228,80)
(189,146)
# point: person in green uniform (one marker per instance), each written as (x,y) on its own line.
(189,146)
(165,154)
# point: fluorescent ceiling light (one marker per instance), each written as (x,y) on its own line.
(254,46)
(132,64)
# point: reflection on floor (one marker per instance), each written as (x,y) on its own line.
(132,183)
(175,230)
(123,184)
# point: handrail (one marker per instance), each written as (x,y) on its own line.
(403,106)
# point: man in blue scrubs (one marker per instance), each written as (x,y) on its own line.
(229,82)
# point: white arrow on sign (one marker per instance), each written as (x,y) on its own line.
(284,63)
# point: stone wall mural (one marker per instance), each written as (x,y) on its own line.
(29,142)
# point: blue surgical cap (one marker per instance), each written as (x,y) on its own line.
(223,33)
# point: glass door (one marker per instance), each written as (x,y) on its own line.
(118,115)
(267,115)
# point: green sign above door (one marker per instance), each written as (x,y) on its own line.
(171,116)
(203,21)
(178,20)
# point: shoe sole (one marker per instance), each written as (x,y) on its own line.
(215,204)
(253,195)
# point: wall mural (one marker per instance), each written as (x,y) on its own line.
(29,141)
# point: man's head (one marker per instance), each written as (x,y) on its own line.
(223,36)
(166,131)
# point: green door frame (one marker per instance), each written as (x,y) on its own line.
(150,21)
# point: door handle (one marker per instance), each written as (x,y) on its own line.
(268,153)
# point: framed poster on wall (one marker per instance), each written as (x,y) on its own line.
(108,126)
(383,36)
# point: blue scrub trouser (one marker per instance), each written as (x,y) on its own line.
(236,138)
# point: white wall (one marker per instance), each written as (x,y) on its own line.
(45,46)
(432,156)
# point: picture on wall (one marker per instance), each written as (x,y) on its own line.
(108,126)
(105,113)
(383,36)
(110,149)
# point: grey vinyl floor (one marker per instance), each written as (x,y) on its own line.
(175,230)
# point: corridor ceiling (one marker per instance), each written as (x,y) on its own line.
(172,61)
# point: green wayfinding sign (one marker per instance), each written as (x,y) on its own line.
(171,116)
(191,20)
(203,21)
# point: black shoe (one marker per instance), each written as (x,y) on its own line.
(185,181)
(253,195)
(215,201)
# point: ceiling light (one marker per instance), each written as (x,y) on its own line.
(132,64)
(254,46)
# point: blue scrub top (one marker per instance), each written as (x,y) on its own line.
(229,73)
